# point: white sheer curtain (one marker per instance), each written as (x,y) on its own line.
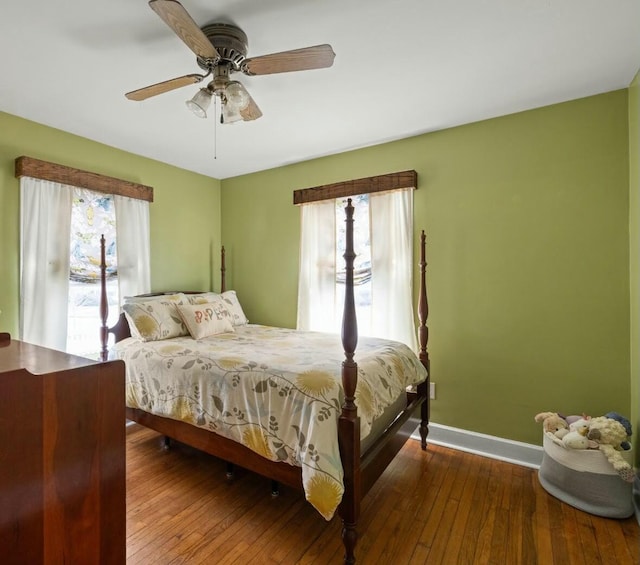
(391,230)
(317,278)
(45,231)
(392,266)
(133,245)
(45,223)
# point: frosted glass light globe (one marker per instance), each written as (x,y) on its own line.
(236,95)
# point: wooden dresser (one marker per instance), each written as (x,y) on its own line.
(62,457)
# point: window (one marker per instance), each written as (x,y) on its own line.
(383,243)
(47,192)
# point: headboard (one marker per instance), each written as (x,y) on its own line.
(120,330)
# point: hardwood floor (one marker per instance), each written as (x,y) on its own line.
(442,506)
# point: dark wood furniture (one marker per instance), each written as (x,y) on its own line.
(360,469)
(62,457)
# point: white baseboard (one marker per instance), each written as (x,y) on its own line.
(525,454)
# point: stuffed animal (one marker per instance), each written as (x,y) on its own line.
(581,424)
(610,434)
(571,419)
(577,436)
(627,427)
(553,423)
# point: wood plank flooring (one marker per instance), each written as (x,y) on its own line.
(440,506)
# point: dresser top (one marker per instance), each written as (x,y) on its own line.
(15,355)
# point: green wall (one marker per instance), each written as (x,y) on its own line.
(528,225)
(184,217)
(527,219)
(634,255)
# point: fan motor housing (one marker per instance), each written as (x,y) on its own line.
(230,42)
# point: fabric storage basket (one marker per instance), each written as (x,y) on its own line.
(585,479)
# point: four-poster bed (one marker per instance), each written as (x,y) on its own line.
(360,462)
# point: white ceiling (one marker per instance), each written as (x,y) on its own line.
(402,67)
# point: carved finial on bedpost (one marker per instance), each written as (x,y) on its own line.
(104,304)
(223,269)
(349,422)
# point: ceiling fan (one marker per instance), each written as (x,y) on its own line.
(221,49)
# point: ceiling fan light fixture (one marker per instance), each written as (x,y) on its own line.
(236,95)
(200,103)
(230,114)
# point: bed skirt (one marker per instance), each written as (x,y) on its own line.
(585,479)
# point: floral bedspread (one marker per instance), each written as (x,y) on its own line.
(276,391)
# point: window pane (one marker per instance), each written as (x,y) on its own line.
(362,262)
(83,332)
(92,215)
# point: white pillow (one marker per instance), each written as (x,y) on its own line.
(233,304)
(178,298)
(204,320)
(201,297)
(228,299)
(155,320)
(175,297)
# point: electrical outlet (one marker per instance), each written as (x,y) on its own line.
(432,390)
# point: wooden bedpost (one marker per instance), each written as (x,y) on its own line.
(423,338)
(223,269)
(349,422)
(104,303)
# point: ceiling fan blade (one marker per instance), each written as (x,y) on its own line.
(179,20)
(317,57)
(161,87)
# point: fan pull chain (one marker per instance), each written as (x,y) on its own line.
(215,127)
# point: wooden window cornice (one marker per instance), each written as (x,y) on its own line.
(35,168)
(367,185)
